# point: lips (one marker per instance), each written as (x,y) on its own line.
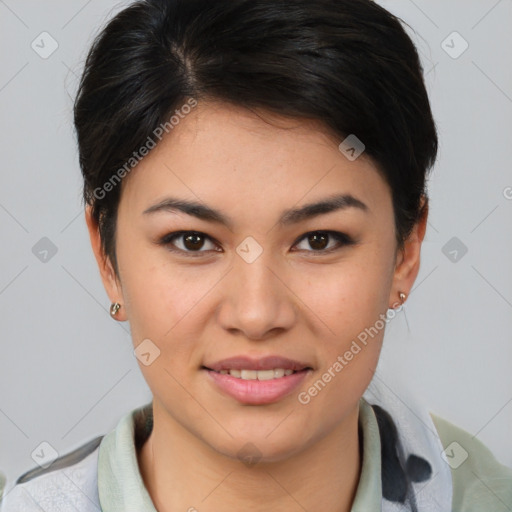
(265,363)
(257,381)
(255,391)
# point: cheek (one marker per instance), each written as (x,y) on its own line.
(348,308)
(348,297)
(166,308)
(349,303)
(159,293)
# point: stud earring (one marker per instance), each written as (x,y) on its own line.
(114,308)
(402,296)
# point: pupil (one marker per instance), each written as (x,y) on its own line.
(193,241)
(314,241)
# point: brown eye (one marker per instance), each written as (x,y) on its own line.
(188,242)
(193,241)
(319,241)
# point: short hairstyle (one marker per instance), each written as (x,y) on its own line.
(346,63)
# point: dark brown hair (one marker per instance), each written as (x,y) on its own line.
(346,63)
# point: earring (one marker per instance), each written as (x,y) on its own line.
(402,296)
(114,308)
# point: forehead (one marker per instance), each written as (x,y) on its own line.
(228,154)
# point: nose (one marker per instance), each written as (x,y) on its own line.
(257,300)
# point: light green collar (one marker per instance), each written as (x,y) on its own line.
(369,490)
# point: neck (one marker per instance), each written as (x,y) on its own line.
(324,476)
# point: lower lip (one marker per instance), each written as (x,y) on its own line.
(257,392)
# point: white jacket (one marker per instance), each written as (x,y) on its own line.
(70,484)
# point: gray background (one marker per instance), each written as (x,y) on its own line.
(67,370)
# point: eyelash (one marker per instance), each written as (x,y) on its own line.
(342,239)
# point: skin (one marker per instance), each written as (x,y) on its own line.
(291,301)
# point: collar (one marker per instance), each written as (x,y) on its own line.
(121,487)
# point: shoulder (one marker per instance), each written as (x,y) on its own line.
(69,483)
(480,481)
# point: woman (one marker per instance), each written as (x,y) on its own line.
(255,189)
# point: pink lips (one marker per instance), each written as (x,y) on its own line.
(263,363)
(257,392)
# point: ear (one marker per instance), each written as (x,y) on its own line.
(110,281)
(408,260)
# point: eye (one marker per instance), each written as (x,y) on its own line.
(190,241)
(319,240)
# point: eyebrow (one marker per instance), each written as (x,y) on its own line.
(288,217)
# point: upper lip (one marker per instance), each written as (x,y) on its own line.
(262,363)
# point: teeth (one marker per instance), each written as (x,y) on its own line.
(279,372)
(276,373)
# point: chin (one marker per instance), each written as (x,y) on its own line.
(257,447)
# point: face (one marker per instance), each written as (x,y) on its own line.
(255,280)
